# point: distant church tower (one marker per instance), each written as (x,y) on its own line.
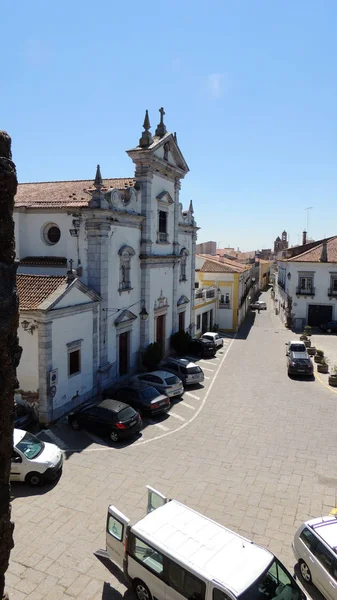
(281,243)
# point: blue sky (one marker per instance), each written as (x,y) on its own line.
(250,87)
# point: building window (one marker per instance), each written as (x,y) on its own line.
(51,234)
(305,285)
(183,264)
(198,322)
(74,362)
(125,253)
(333,285)
(182,321)
(162,226)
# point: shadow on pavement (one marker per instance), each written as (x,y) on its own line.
(109,592)
(309,588)
(23,490)
(246,326)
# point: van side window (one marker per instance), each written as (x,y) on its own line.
(219,595)
(149,557)
(308,538)
(324,556)
(186,584)
(115,528)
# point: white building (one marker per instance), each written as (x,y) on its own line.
(131,249)
(306,287)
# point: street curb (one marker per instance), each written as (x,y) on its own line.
(325,384)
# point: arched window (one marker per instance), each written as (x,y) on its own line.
(183,264)
(125,255)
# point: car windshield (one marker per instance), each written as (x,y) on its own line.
(126,414)
(190,370)
(274,581)
(149,393)
(297,348)
(30,446)
(207,337)
(172,380)
(302,361)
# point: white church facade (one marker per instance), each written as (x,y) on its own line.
(106,267)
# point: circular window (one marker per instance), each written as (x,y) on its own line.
(51,234)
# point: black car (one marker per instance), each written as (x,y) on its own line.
(201,347)
(298,364)
(141,396)
(330,327)
(24,414)
(109,417)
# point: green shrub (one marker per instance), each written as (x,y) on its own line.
(179,342)
(320,352)
(152,356)
(307,330)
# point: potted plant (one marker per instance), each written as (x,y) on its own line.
(179,342)
(152,356)
(311,350)
(333,376)
(303,337)
(319,356)
(307,343)
(323,367)
(307,330)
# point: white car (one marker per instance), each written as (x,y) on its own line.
(164,382)
(187,371)
(214,337)
(259,305)
(298,347)
(33,460)
(314,547)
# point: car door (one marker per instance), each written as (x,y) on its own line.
(116,527)
(323,578)
(91,419)
(16,466)
(154,380)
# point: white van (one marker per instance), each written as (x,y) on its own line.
(33,460)
(175,553)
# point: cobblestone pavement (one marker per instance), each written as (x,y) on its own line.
(252,451)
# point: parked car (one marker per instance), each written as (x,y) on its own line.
(141,396)
(109,417)
(215,337)
(202,348)
(33,460)
(258,305)
(187,371)
(314,547)
(298,347)
(330,327)
(298,364)
(164,382)
(24,414)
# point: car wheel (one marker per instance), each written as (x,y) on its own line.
(75,424)
(141,590)
(114,437)
(34,479)
(305,572)
(328,330)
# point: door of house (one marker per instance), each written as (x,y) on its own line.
(204,325)
(182,321)
(319,314)
(124,353)
(160,332)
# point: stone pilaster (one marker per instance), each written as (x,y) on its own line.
(95,344)
(145,285)
(45,366)
(98,277)
(192,312)
(144,180)
(176,250)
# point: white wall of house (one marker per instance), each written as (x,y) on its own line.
(200,309)
(28,369)
(29,233)
(65,330)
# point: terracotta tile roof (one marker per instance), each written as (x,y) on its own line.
(64,194)
(314,254)
(48,261)
(34,289)
(226,261)
(215,266)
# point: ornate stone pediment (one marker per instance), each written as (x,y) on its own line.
(182,300)
(125,317)
(165,197)
(161,302)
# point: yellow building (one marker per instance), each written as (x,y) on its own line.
(264,273)
(234,285)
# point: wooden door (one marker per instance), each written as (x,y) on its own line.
(124,353)
(160,332)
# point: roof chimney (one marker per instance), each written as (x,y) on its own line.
(304,238)
(324,254)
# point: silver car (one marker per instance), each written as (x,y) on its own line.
(187,371)
(164,382)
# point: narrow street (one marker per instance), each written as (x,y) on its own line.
(249,450)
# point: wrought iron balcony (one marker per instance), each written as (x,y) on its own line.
(224,305)
(210,294)
(304,292)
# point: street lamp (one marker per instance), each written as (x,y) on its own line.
(143,314)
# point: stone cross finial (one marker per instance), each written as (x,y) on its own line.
(146,139)
(191,209)
(161,129)
(98,183)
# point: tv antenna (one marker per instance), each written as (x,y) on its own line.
(307,211)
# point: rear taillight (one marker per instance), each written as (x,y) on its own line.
(154,405)
(120,425)
(138,417)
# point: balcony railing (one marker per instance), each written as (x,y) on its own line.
(303,292)
(204,295)
(210,293)
(224,305)
(332,292)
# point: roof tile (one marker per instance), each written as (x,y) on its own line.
(314,254)
(34,289)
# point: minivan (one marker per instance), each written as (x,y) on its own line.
(176,553)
